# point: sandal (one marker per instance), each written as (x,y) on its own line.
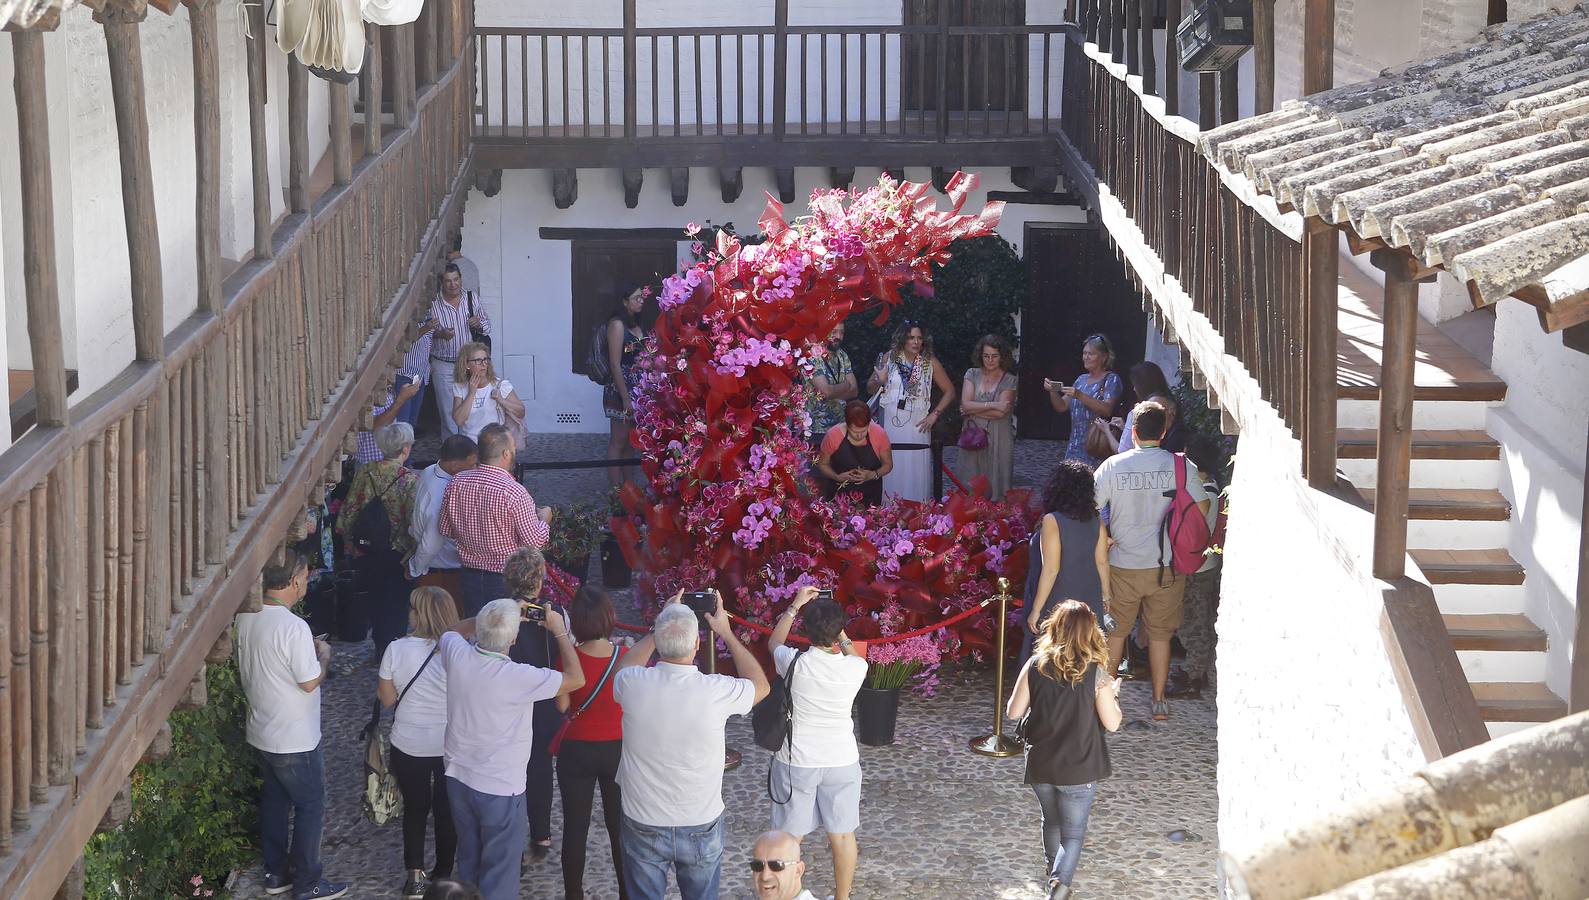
(1161,711)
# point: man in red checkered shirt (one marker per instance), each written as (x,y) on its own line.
(490,515)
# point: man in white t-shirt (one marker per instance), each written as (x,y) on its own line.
(1135,488)
(817,774)
(777,869)
(490,706)
(435,559)
(281,666)
(671,774)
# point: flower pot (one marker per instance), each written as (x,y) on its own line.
(579,568)
(614,570)
(876,712)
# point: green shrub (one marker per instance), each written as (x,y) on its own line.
(978,291)
(1198,417)
(194,814)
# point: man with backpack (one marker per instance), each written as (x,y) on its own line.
(457,317)
(1157,512)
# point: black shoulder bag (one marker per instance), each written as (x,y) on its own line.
(772,720)
(475,334)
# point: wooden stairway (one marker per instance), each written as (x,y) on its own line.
(1459,521)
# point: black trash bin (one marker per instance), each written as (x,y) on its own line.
(353,607)
(320,604)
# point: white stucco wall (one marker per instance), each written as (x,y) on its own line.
(1543,428)
(501,235)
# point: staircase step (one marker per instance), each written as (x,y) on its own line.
(1493,566)
(1494,632)
(1362,443)
(1479,599)
(1461,504)
(1483,474)
(1430,414)
(1518,701)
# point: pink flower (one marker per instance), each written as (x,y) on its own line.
(196,880)
(692,229)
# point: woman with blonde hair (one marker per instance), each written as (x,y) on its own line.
(1068,700)
(479,397)
(411,679)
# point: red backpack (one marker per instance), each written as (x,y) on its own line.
(1185,528)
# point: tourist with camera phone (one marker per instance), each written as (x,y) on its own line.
(817,774)
(491,726)
(671,774)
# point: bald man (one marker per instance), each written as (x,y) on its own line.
(776,867)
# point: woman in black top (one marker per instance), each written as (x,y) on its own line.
(1070,549)
(855,455)
(1068,699)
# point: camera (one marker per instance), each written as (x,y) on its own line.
(535,612)
(702,603)
(1052,385)
(825,594)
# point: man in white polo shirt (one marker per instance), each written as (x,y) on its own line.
(490,707)
(281,666)
(671,774)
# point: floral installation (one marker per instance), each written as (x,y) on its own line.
(913,661)
(721,425)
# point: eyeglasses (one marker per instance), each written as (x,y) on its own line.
(480,360)
(777,865)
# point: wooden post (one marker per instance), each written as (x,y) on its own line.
(258,154)
(341,127)
(1133,36)
(297,135)
(1578,692)
(207,150)
(120,20)
(1229,96)
(38,230)
(371,89)
(403,77)
(1320,299)
(1395,414)
(1263,38)
(10,798)
(1318,45)
(1172,59)
(1117,30)
(1206,100)
(425,44)
(942,64)
(1149,63)
(631,74)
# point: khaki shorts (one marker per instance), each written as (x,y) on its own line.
(1139,589)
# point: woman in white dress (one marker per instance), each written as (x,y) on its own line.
(905,375)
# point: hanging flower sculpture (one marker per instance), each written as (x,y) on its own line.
(720,421)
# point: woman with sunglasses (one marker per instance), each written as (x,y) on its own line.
(1094,395)
(1068,700)
(479,397)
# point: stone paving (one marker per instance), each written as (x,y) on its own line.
(938,821)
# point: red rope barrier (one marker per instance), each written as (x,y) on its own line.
(958,483)
(872,642)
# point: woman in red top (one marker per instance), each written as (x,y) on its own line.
(593,744)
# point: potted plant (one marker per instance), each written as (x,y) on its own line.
(893,666)
(576,532)
(615,571)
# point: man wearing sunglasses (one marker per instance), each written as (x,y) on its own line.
(776,867)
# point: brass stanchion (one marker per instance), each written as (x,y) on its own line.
(996,744)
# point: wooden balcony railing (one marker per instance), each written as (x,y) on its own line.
(134,524)
(685,94)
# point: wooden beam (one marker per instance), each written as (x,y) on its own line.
(1230,95)
(1318,45)
(679,184)
(631,75)
(565,187)
(1434,689)
(632,180)
(1320,300)
(205,34)
(731,181)
(1037,179)
(1149,63)
(1394,450)
(839,176)
(786,184)
(341,127)
(403,90)
(297,135)
(1207,100)
(425,44)
(370,89)
(1263,41)
(38,231)
(941,176)
(256,128)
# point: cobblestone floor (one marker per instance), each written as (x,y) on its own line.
(938,821)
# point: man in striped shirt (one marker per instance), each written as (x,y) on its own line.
(416,369)
(454,312)
(490,516)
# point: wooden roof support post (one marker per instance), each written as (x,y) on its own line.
(425,44)
(1318,46)
(1320,264)
(1263,41)
(1172,59)
(403,91)
(1578,693)
(370,89)
(38,229)
(1230,94)
(1395,413)
(256,128)
(1117,30)
(1149,64)
(1133,36)
(341,127)
(1207,100)
(631,74)
(297,135)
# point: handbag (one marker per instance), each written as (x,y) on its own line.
(772,720)
(568,718)
(475,334)
(1102,439)
(383,800)
(973,436)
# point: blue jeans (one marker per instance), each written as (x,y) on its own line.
(695,853)
(409,411)
(1066,808)
(492,834)
(479,588)
(294,782)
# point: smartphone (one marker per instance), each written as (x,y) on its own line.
(700,602)
(825,594)
(1050,384)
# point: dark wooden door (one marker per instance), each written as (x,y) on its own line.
(982,71)
(1078,289)
(603,271)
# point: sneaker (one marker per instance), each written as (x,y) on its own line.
(414,888)
(1161,711)
(325,890)
(277,884)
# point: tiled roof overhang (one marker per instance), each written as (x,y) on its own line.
(1475,162)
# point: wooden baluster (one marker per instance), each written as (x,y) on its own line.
(142,569)
(1172,59)
(38,587)
(1133,36)
(780,68)
(941,57)
(101,503)
(1149,64)
(77,559)
(9,797)
(340,114)
(21,747)
(125,557)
